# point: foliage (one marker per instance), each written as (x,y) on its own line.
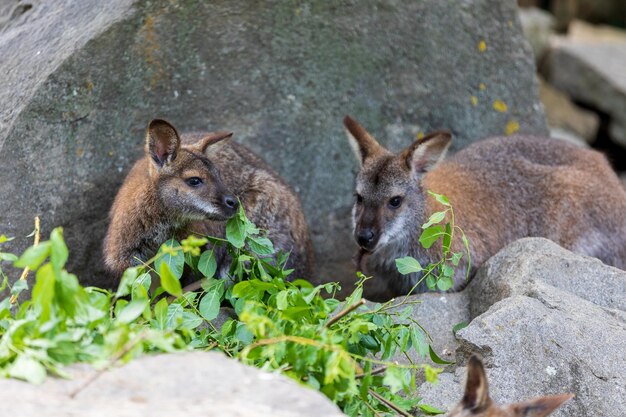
(344,349)
(439,275)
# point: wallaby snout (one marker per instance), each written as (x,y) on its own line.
(366,238)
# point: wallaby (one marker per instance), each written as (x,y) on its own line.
(501,189)
(193,183)
(477,403)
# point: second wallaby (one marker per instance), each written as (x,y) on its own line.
(502,189)
(476,401)
(193,183)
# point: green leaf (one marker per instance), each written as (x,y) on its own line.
(434,219)
(419,341)
(58,249)
(160,313)
(429,409)
(436,359)
(396,379)
(447,239)
(132,311)
(169,282)
(445,283)
(261,245)
(3,238)
(207,263)
(33,256)
(408,265)
(43,291)
(431,235)
(28,369)
(211,302)
(4,256)
(440,198)
(125,286)
(456,257)
(235,232)
(19,286)
(171,254)
(459,326)
(281,300)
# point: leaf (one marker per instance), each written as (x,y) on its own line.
(429,409)
(281,300)
(447,239)
(58,249)
(408,265)
(128,277)
(235,232)
(458,327)
(436,359)
(440,198)
(43,291)
(431,235)
(211,302)
(456,258)
(395,378)
(434,219)
(419,342)
(4,256)
(169,282)
(207,263)
(28,369)
(33,256)
(261,245)
(170,253)
(132,311)
(160,313)
(19,286)
(4,238)
(190,320)
(445,283)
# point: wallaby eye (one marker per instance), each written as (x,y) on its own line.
(395,202)
(193,181)
(359,198)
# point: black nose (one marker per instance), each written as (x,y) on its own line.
(231,202)
(365,238)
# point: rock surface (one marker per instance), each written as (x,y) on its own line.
(83,78)
(187,384)
(538,27)
(547,321)
(590,69)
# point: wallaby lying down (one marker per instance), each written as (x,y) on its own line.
(476,401)
(193,183)
(502,189)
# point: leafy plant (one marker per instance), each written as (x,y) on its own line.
(342,348)
(439,275)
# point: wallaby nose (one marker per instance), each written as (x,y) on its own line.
(365,238)
(231,202)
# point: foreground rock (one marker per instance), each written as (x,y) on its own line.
(188,384)
(548,322)
(82,78)
(589,66)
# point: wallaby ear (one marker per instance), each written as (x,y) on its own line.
(162,142)
(539,407)
(425,153)
(212,139)
(476,396)
(362,143)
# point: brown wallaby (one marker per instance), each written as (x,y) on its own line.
(501,189)
(192,183)
(477,403)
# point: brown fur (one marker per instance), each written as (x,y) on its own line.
(502,189)
(477,403)
(155,203)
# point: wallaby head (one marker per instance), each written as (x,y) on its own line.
(389,197)
(187,182)
(477,403)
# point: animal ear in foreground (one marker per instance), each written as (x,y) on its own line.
(477,403)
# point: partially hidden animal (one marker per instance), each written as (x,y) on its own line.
(476,401)
(194,183)
(501,189)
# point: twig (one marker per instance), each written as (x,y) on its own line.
(344,312)
(24,275)
(388,403)
(374,372)
(127,348)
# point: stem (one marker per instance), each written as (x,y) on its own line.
(24,275)
(374,372)
(388,403)
(344,313)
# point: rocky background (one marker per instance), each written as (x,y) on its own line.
(81,79)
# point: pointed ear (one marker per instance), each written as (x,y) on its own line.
(424,154)
(539,407)
(213,139)
(362,143)
(162,142)
(476,395)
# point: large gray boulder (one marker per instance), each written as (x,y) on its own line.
(82,78)
(547,321)
(174,385)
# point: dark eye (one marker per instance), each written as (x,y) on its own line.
(193,181)
(359,198)
(395,202)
